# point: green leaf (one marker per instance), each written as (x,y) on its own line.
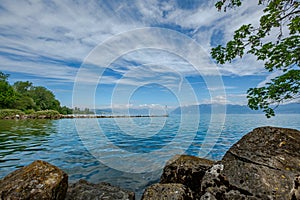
(281,54)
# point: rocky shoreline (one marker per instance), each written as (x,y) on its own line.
(264,164)
(23,117)
(108,116)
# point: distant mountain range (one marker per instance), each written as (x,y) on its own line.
(292,108)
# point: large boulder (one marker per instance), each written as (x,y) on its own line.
(264,162)
(295,192)
(39,180)
(216,186)
(187,170)
(83,190)
(168,191)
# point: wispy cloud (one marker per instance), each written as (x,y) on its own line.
(216,100)
(69,30)
(269,78)
(50,39)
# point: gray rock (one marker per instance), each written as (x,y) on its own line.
(168,191)
(215,186)
(39,180)
(83,190)
(208,196)
(295,192)
(264,162)
(187,170)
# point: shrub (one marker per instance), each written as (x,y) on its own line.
(46,114)
(10,113)
(30,111)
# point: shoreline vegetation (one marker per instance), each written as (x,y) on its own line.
(9,114)
(24,99)
(110,116)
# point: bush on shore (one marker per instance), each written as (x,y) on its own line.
(46,114)
(18,114)
(11,113)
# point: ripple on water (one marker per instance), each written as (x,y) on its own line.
(57,142)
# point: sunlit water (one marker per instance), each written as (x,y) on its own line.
(147,144)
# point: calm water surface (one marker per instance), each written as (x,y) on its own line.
(58,142)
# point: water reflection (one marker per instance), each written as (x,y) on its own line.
(57,141)
(23,135)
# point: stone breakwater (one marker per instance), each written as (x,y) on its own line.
(264,164)
(77,116)
(109,116)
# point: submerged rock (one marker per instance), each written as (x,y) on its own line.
(187,170)
(168,191)
(83,190)
(39,180)
(264,162)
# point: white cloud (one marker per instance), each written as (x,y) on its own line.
(216,100)
(41,38)
(269,78)
(69,30)
(47,70)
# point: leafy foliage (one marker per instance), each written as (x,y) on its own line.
(276,42)
(11,113)
(18,114)
(28,98)
(7,93)
(286,86)
(44,99)
(24,103)
(49,114)
(65,110)
(3,77)
(22,87)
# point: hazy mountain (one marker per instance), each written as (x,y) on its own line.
(293,108)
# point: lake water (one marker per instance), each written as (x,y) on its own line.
(127,152)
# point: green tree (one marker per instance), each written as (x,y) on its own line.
(7,93)
(26,97)
(22,87)
(24,103)
(23,100)
(44,99)
(276,41)
(65,110)
(3,76)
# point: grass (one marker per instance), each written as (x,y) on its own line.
(46,114)
(10,113)
(18,114)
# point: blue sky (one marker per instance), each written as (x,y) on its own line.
(55,43)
